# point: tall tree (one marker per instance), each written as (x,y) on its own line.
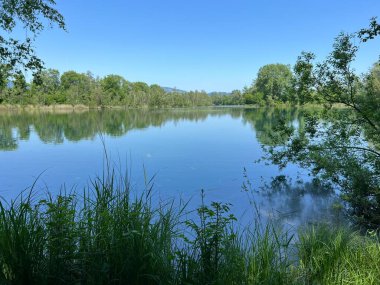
(31,15)
(371,32)
(77,86)
(19,84)
(340,146)
(48,81)
(4,77)
(274,81)
(113,86)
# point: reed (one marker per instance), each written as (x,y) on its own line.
(110,235)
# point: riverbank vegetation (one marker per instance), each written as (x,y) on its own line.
(340,147)
(110,235)
(275,84)
(49,87)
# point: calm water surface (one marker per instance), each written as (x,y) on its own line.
(186,150)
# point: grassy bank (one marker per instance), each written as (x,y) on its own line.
(108,235)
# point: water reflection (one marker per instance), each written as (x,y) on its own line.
(189,149)
(75,126)
(292,204)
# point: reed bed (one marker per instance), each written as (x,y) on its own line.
(109,235)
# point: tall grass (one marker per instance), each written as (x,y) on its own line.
(109,235)
(337,256)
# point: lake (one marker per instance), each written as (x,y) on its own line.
(181,151)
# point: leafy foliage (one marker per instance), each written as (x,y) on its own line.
(49,88)
(18,54)
(371,32)
(339,145)
(274,81)
(212,236)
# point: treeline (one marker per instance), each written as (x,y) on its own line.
(275,84)
(50,87)
(279,84)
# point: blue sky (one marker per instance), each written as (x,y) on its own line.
(199,44)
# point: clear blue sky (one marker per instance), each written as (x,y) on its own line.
(199,44)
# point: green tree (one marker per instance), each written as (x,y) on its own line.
(19,82)
(371,32)
(303,80)
(139,93)
(274,82)
(45,87)
(77,87)
(32,16)
(254,97)
(19,86)
(340,146)
(369,102)
(237,97)
(48,80)
(4,77)
(114,87)
(156,98)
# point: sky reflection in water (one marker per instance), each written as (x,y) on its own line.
(186,150)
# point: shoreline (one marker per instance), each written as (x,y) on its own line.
(65,108)
(54,107)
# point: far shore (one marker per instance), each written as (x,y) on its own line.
(65,108)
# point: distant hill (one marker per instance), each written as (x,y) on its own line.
(214,93)
(171,90)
